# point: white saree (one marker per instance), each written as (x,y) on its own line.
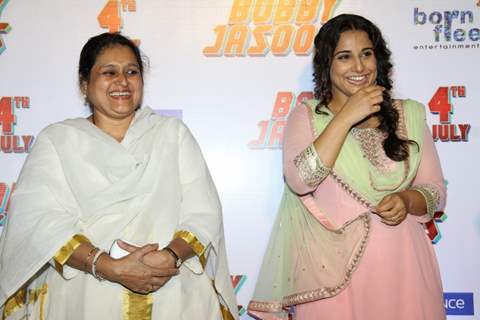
(79,180)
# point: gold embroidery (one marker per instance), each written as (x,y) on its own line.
(14,303)
(310,167)
(371,143)
(35,295)
(401,127)
(137,306)
(431,195)
(320,293)
(66,251)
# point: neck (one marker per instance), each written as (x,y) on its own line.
(116,128)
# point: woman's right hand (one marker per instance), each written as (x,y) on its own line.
(132,273)
(362,104)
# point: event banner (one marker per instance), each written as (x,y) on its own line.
(233,71)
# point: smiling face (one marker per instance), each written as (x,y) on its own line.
(353,66)
(115,84)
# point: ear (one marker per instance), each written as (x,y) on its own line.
(83,86)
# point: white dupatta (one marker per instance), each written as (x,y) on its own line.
(79,180)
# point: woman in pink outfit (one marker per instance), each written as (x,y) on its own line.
(362,179)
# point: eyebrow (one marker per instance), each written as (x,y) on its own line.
(349,51)
(133,64)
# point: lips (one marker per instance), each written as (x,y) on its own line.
(120,94)
(358,80)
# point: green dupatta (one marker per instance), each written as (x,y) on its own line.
(307,260)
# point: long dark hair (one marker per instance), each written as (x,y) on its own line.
(325,43)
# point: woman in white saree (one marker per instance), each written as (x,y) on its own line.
(123,173)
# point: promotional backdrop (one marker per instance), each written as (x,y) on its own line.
(233,70)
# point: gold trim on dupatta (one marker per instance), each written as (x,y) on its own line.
(199,250)
(14,303)
(137,306)
(39,294)
(66,251)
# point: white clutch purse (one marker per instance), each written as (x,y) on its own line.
(116,252)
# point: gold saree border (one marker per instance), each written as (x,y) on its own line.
(320,293)
(137,306)
(39,294)
(66,251)
(14,303)
(191,240)
(19,299)
(199,250)
(226,314)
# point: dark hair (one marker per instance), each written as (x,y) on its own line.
(96,45)
(325,43)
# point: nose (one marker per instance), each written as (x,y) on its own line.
(122,79)
(358,66)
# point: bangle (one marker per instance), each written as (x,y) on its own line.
(85,263)
(94,264)
(178,260)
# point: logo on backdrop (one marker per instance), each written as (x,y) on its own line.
(271,131)
(9,142)
(450,29)
(459,303)
(5,192)
(255,28)
(111,15)
(442,103)
(237,282)
(4,27)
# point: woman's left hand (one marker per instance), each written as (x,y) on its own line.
(158,259)
(392,209)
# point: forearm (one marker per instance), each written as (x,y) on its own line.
(82,259)
(330,142)
(79,257)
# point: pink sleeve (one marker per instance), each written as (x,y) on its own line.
(429,179)
(302,167)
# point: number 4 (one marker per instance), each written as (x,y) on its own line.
(440,104)
(109,18)
(7,118)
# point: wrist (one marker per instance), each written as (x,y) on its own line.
(342,119)
(404,195)
(107,268)
(175,258)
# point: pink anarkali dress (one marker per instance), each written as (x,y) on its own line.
(398,276)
